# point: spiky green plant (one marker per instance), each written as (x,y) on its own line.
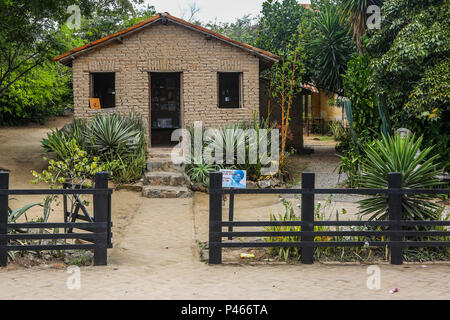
(57,140)
(241,141)
(111,135)
(199,172)
(332,49)
(400,154)
(14,215)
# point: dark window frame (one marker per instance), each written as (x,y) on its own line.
(92,89)
(221,77)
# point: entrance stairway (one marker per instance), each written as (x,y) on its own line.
(163,178)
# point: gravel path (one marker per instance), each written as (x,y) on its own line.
(324,162)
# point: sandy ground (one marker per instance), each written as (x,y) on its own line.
(157,258)
(156,253)
(21,153)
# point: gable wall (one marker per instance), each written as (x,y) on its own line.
(169,48)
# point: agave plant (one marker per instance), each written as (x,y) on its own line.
(400,154)
(57,140)
(199,172)
(14,215)
(242,141)
(111,135)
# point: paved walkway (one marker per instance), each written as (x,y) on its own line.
(157,259)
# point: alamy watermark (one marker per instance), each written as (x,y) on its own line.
(228,146)
(374,279)
(374,20)
(74,21)
(74,280)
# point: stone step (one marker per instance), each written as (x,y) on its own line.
(166,178)
(166,192)
(162,164)
(161,155)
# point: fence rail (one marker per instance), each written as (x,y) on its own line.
(307,235)
(96,228)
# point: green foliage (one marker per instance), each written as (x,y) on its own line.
(400,154)
(351,166)
(77,168)
(355,11)
(56,141)
(112,135)
(46,91)
(238,142)
(117,140)
(32,86)
(323,253)
(241,140)
(278,24)
(366,119)
(130,168)
(365,253)
(284,253)
(14,215)
(410,69)
(332,49)
(199,172)
(108,19)
(243,29)
(338,130)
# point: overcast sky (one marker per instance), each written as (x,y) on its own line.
(224,10)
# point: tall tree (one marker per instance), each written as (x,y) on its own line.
(29,32)
(34,31)
(410,69)
(278,24)
(332,49)
(244,29)
(355,11)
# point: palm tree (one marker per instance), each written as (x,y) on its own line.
(332,49)
(355,11)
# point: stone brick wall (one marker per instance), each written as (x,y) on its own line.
(169,48)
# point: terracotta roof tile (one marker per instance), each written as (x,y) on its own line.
(261,53)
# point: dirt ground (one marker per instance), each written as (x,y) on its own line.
(156,252)
(21,153)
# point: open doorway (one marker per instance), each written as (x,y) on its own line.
(165,106)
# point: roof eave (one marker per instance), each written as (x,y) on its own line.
(67,58)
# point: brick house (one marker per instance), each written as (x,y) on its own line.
(171,72)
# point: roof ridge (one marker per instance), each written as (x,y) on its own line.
(167,15)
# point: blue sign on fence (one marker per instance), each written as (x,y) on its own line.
(234,178)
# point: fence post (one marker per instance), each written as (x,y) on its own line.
(101,216)
(395,215)
(4,184)
(215,217)
(308,181)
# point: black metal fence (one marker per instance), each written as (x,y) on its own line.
(97,228)
(307,234)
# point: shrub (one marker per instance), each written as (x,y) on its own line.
(58,140)
(287,253)
(113,139)
(364,253)
(338,130)
(232,137)
(43,92)
(77,168)
(400,154)
(199,173)
(112,135)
